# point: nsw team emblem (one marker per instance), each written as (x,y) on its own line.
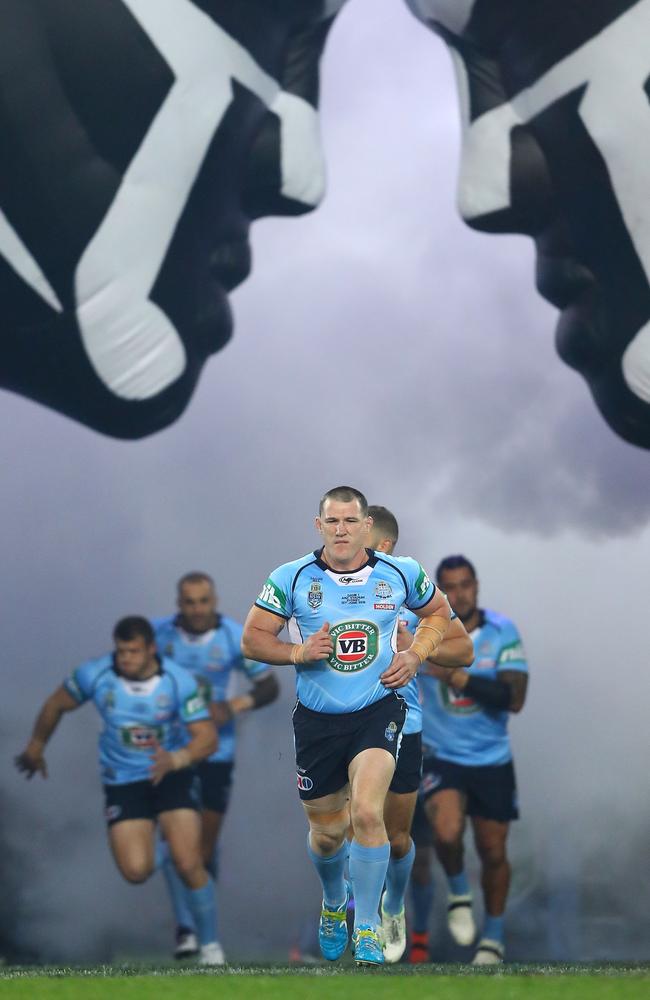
(356,645)
(390,731)
(315,595)
(383,590)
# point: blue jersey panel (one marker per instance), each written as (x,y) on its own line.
(213,657)
(456,727)
(362,609)
(137,715)
(411,693)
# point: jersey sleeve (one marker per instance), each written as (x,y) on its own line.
(276,594)
(193,706)
(420,588)
(512,655)
(81,682)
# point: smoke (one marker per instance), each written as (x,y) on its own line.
(380,343)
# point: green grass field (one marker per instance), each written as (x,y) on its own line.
(511,982)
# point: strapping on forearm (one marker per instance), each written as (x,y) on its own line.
(297,653)
(428,636)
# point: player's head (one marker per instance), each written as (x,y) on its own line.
(196,598)
(135,646)
(124,224)
(556,145)
(344,523)
(456,576)
(384,530)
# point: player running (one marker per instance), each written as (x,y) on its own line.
(342,602)
(455,650)
(208,644)
(468,768)
(145,768)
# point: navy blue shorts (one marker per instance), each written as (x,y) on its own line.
(408,770)
(216,784)
(490,791)
(326,742)
(142,800)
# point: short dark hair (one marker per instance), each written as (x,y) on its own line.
(134,627)
(195,576)
(454,562)
(384,521)
(345,494)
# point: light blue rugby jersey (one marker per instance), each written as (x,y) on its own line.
(212,657)
(456,727)
(411,691)
(137,714)
(362,608)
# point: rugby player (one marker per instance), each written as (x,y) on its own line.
(207,643)
(342,604)
(455,650)
(468,768)
(145,770)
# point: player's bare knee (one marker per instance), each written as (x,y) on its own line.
(326,840)
(367,820)
(447,833)
(492,855)
(400,843)
(136,872)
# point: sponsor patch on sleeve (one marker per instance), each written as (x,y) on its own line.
(272,596)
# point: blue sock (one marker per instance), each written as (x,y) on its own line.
(204,912)
(178,895)
(458,884)
(331,873)
(368,866)
(422,900)
(397,876)
(493,928)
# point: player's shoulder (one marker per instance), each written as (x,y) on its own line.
(96,666)
(404,565)
(499,622)
(230,624)
(295,566)
(174,669)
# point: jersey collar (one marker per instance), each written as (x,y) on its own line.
(320,562)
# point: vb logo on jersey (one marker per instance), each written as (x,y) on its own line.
(272,596)
(355,646)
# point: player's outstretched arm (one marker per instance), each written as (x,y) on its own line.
(455,650)
(31,759)
(203,742)
(260,641)
(265,689)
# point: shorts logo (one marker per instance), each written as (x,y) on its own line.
(383,591)
(304,783)
(356,645)
(315,595)
(429,783)
(112,813)
(390,731)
